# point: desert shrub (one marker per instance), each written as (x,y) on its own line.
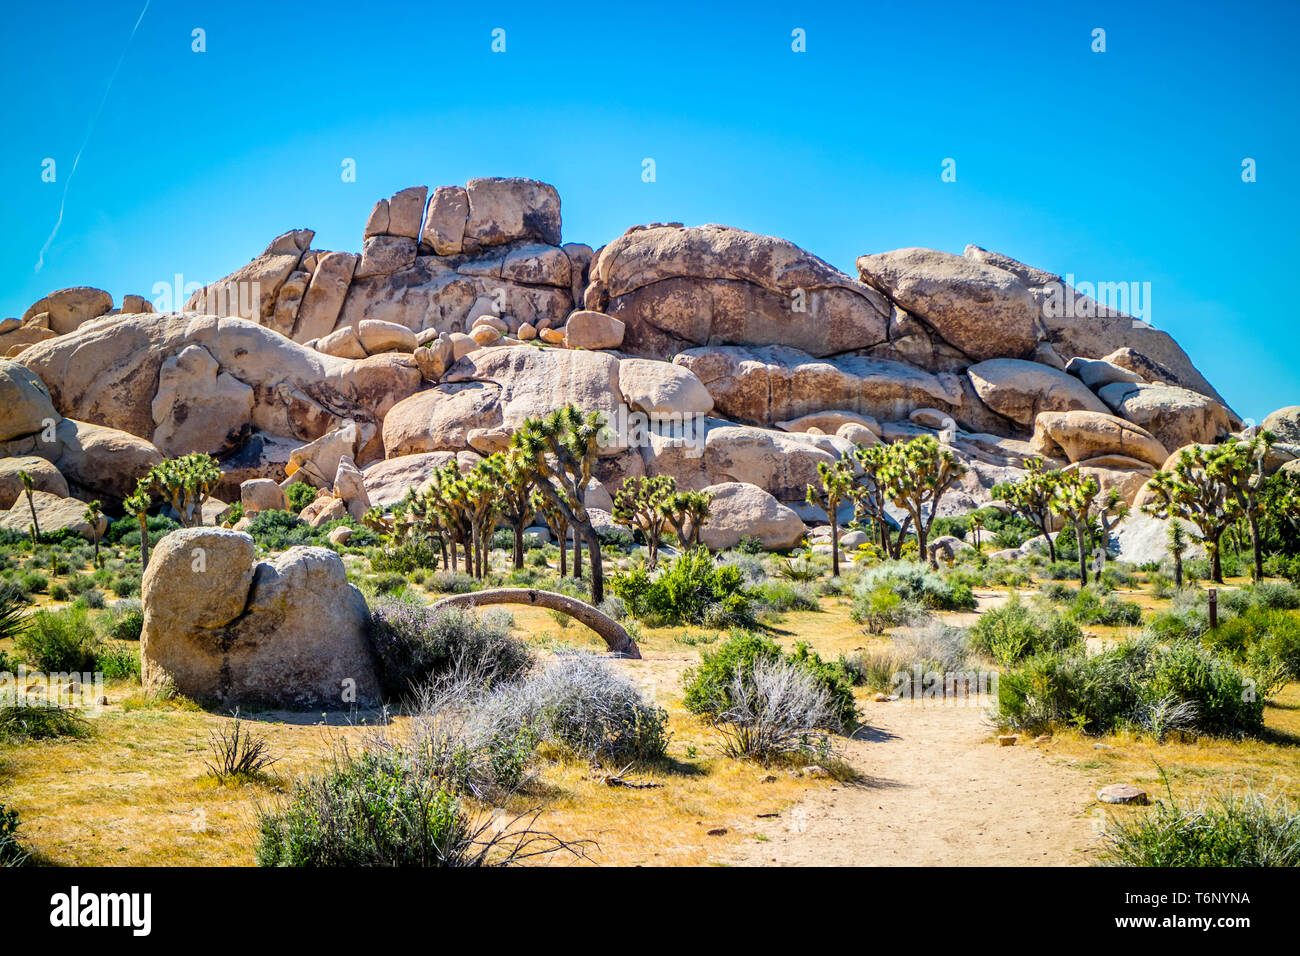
(118,661)
(776,597)
(1225,830)
(588,709)
(59,641)
(1138,684)
(405,558)
(919,583)
(710,684)
(11,851)
(691,589)
(452,582)
(40,721)
(1089,607)
(882,607)
(1265,643)
(466,738)
(33,582)
(801,567)
(1061,571)
(125,621)
(1057,592)
(778,709)
(750,544)
(125,587)
(751,568)
(280,530)
(58,592)
(92,599)
(299,495)
(1014,631)
(125,532)
(389,583)
(236,753)
(932,648)
(416,644)
(614,607)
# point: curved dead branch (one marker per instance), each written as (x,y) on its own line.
(616,638)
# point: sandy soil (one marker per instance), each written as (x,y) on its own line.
(938,791)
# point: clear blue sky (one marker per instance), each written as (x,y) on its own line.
(1122,166)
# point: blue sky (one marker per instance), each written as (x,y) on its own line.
(1115,166)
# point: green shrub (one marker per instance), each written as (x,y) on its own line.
(118,661)
(776,597)
(37,721)
(919,583)
(750,544)
(1265,643)
(11,851)
(708,685)
(33,582)
(299,495)
(59,641)
(1089,607)
(691,589)
(882,608)
(405,558)
(1013,632)
(125,587)
(1138,684)
(125,622)
(1231,830)
(452,582)
(280,530)
(416,644)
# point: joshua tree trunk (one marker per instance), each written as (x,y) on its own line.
(1257,570)
(144,542)
(597,569)
(577,554)
(1083,556)
(616,638)
(1216,567)
(519,547)
(1178,570)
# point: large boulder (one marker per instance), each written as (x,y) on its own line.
(983,311)
(26,406)
(489,393)
(593,330)
(1176,416)
(69,308)
(387,481)
(1096,373)
(1143,539)
(108,372)
(251,291)
(781,463)
(505,209)
(1019,390)
(54,513)
(1284,424)
(226,629)
(740,510)
(678,287)
(1081,435)
(45,477)
(662,389)
(103,463)
(762,386)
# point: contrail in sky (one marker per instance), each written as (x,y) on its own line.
(40,261)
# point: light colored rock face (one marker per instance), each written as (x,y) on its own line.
(399,216)
(593,330)
(54,513)
(1080,435)
(387,481)
(830,422)
(288,632)
(776,383)
(502,210)
(1098,372)
(109,369)
(489,393)
(324,509)
(1142,539)
(198,407)
(983,311)
(68,308)
(740,510)
(103,463)
(1019,390)
(376,337)
(384,255)
(1284,424)
(444,221)
(45,477)
(316,462)
(351,487)
(776,461)
(678,287)
(324,297)
(1090,329)
(261,494)
(1176,416)
(250,292)
(343,343)
(1126,475)
(25,403)
(660,388)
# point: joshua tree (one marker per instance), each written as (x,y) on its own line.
(516,490)
(557,523)
(1242,465)
(870,498)
(915,476)
(1177,548)
(1031,498)
(137,506)
(836,480)
(28,487)
(185,482)
(561,450)
(94,511)
(976,526)
(1077,499)
(642,504)
(1198,490)
(483,505)
(687,511)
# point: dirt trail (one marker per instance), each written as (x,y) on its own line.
(938,791)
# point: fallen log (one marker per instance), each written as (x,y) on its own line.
(615,637)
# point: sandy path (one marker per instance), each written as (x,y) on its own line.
(938,791)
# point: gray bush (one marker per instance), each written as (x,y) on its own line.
(776,712)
